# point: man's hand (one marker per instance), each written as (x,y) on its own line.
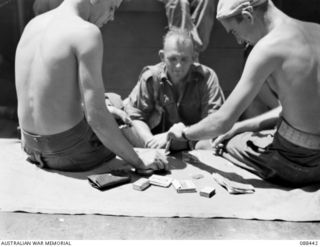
(175,132)
(226,136)
(157,141)
(120,114)
(153,160)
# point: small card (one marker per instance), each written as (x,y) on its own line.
(167,149)
(207,191)
(141,184)
(160,180)
(184,186)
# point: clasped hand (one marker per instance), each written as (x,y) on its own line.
(153,160)
(175,132)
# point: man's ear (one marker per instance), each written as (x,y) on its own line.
(247,16)
(161,55)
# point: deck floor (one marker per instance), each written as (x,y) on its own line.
(15,226)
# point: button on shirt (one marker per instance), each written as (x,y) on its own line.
(153,99)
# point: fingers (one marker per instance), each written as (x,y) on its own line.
(160,162)
(151,144)
(217,141)
(175,132)
(155,143)
(127,120)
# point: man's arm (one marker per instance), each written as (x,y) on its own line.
(89,55)
(264,121)
(140,105)
(143,129)
(262,61)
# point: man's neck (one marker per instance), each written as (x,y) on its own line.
(273,18)
(78,7)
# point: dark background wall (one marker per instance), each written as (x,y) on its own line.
(133,40)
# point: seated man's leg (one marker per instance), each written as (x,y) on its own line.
(133,136)
(249,151)
(179,16)
(203,145)
(273,158)
(130,132)
(203,14)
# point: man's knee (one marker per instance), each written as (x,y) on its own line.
(237,143)
(203,145)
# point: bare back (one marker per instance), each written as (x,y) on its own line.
(297,80)
(49,98)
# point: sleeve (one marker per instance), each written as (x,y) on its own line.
(140,103)
(212,96)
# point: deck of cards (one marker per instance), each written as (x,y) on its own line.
(160,180)
(184,186)
(167,149)
(233,187)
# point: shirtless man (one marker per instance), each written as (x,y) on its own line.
(65,124)
(287,53)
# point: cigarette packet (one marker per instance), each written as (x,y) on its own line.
(207,192)
(184,186)
(141,184)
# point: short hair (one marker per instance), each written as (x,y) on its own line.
(182,35)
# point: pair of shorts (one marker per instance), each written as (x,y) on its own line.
(274,158)
(74,150)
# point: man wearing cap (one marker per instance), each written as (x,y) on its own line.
(287,53)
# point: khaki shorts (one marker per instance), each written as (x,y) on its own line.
(273,157)
(77,149)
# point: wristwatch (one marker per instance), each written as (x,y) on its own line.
(183,134)
(191,144)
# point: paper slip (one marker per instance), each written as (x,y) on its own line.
(160,180)
(167,149)
(207,192)
(184,186)
(233,187)
(141,184)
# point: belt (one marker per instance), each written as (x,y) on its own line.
(298,137)
(55,142)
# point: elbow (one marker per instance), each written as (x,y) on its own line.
(94,120)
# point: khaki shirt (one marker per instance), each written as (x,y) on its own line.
(153,99)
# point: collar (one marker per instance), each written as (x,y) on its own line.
(195,73)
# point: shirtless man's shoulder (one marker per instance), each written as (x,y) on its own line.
(294,53)
(47,55)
